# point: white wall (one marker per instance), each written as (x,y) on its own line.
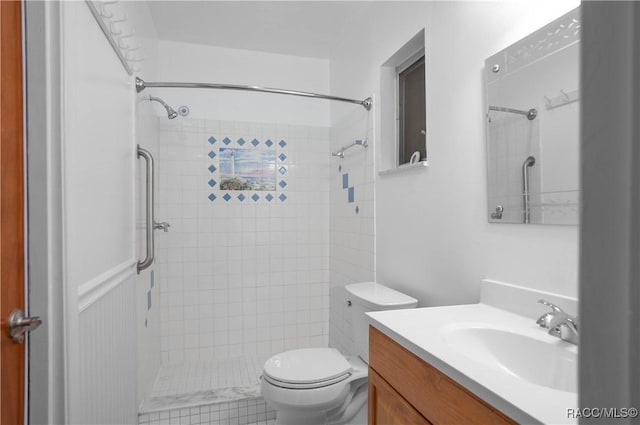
(98,224)
(185,62)
(432,236)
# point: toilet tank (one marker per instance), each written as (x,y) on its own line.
(371,296)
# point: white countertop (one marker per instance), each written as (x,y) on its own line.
(423,332)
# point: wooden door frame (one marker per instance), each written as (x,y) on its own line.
(12,244)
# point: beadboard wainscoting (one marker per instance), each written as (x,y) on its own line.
(107,354)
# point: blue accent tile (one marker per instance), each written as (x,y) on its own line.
(148,300)
(255,142)
(255,197)
(357,209)
(212,140)
(339,167)
(226,141)
(241,141)
(345,180)
(212,168)
(212,154)
(282,143)
(351,194)
(268,143)
(241,197)
(226,197)
(283,197)
(152,281)
(282,170)
(212,182)
(269,197)
(212,197)
(282,184)
(282,157)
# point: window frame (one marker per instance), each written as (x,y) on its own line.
(412,60)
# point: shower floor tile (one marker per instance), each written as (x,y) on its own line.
(197,383)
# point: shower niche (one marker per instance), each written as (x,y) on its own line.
(532,126)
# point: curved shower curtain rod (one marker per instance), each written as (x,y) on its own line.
(141,85)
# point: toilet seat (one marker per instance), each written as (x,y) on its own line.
(293,386)
(309,403)
(307,368)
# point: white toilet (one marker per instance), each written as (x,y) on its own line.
(321,386)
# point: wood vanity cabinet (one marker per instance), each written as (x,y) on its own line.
(404,389)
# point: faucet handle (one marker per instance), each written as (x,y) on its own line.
(564,318)
(545,320)
(552,306)
(559,323)
(564,327)
(161,226)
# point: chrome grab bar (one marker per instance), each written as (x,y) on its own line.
(529,162)
(150,219)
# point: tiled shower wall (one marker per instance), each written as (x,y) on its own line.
(352,219)
(242,273)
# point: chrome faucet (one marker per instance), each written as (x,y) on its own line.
(559,323)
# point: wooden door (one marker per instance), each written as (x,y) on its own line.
(12,366)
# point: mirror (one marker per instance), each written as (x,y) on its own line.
(533,105)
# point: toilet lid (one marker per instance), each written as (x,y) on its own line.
(307,366)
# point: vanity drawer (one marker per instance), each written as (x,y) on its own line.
(436,396)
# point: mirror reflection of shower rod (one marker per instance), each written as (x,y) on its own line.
(141,85)
(531,114)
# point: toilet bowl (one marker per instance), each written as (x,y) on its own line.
(320,385)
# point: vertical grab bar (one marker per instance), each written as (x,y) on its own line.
(529,162)
(150,218)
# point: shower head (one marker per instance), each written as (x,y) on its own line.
(171,113)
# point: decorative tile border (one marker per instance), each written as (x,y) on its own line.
(351,190)
(149,294)
(245,196)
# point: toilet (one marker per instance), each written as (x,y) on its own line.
(320,385)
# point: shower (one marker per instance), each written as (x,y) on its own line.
(171,113)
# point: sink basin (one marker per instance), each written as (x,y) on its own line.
(540,361)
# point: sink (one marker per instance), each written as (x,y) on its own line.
(543,361)
(495,349)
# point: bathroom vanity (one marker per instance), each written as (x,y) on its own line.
(485,363)
(404,389)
